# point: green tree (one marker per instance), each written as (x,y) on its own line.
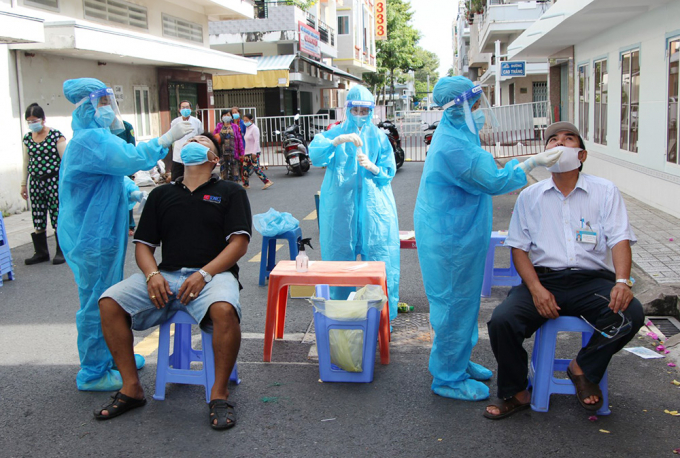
(398,53)
(451,72)
(429,68)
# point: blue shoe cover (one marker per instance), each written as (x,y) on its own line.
(111,381)
(140,361)
(467,390)
(476,371)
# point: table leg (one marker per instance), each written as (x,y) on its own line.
(281,311)
(270,323)
(384,331)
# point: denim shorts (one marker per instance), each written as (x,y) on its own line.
(132,295)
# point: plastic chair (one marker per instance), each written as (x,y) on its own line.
(498,276)
(175,368)
(268,256)
(328,372)
(5,254)
(544,364)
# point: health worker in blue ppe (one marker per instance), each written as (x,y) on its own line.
(452,217)
(357,212)
(93,225)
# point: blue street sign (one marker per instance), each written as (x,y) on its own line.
(512,69)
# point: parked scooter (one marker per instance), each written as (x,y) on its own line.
(393,135)
(294,148)
(429,128)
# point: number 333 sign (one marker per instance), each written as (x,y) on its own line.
(381,19)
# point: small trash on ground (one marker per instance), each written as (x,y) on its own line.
(676,383)
(592,418)
(671,364)
(643,352)
(604,431)
(270,399)
(328,419)
(675,413)
(653,335)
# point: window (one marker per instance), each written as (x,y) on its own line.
(601,78)
(630,99)
(116,11)
(142,112)
(179,28)
(672,145)
(44,4)
(343,25)
(583,101)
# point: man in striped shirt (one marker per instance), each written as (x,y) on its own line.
(570,242)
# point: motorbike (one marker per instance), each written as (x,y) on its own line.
(294,148)
(393,135)
(429,128)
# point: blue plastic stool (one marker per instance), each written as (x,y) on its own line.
(268,255)
(5,254)
(317,197)
(544,364)
(498,276)
(328,372)
(175,368)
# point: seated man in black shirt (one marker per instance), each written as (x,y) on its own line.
(203,225)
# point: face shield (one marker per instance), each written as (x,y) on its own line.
(360,111)
(478,113)
(106,112)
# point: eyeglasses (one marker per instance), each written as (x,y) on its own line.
(613,331)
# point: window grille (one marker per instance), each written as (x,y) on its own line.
(179,28)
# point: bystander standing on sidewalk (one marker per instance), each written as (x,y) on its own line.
(250,157)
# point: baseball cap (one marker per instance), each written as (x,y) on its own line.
(561,126)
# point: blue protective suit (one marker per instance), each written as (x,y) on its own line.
(357,211)
(452,217)
(130,187)
(93,225)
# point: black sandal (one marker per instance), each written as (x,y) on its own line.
(585,389)
(120,404)
(222,411)
(506,408)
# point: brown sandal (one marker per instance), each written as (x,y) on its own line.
(506,408)
(584,389)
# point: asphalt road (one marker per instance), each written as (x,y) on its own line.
(282,408)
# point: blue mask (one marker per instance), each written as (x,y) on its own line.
(247,123)
(237,116)
(185,112)
(194,154)
(35,126)
(479,119)
(104,116)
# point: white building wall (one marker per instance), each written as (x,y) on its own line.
(644,175)
(11,133)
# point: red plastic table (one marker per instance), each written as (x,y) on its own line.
(334,273)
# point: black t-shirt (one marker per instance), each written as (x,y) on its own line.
(192,228)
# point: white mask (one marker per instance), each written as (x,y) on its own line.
(568,160)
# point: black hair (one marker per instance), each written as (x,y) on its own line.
(216,141)
(223,112)
(249,116)
(35,110)
(185,101)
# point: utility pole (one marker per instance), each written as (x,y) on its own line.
(497,98)
(428,92)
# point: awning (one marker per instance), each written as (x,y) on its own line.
(272,71)
(17,26)
(87,40)
(332,70)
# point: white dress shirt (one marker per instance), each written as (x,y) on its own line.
(544,223)
(177,146)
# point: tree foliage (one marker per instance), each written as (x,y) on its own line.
(430,65)
(398,53)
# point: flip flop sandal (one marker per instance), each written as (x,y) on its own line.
(506,408)
(584,389)
(120,404)
(223,411)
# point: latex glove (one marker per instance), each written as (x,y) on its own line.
(176,132)
(139,196)
(354,138)
(366,163)
(545,159)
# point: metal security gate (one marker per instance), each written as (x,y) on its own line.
(271,144)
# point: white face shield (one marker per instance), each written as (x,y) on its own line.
(360,111)
(478,113)
(106,112)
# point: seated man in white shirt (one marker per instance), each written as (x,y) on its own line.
(570,242)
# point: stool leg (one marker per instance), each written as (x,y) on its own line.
(208,363)
(234,375)
(263,260)
(604,387)
(181,350)
(545,357)
(271,256)
(163,361)
(488,270)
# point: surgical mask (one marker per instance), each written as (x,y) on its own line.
(360,120)
(568,160)
(104,116)
(226,119)
(479,119)
(35,126)
(185,112)
(247,123)
(194,154)
(236,116)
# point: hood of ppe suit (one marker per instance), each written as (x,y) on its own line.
(76,90)
(358,93)
(447,89)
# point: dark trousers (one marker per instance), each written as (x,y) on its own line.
(177,170)
(517,318)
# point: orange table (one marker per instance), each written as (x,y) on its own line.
(335,273)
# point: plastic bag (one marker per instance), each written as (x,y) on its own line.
(347,345)
(273,223)
(143,178)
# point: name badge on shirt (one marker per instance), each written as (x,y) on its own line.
(586,236)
